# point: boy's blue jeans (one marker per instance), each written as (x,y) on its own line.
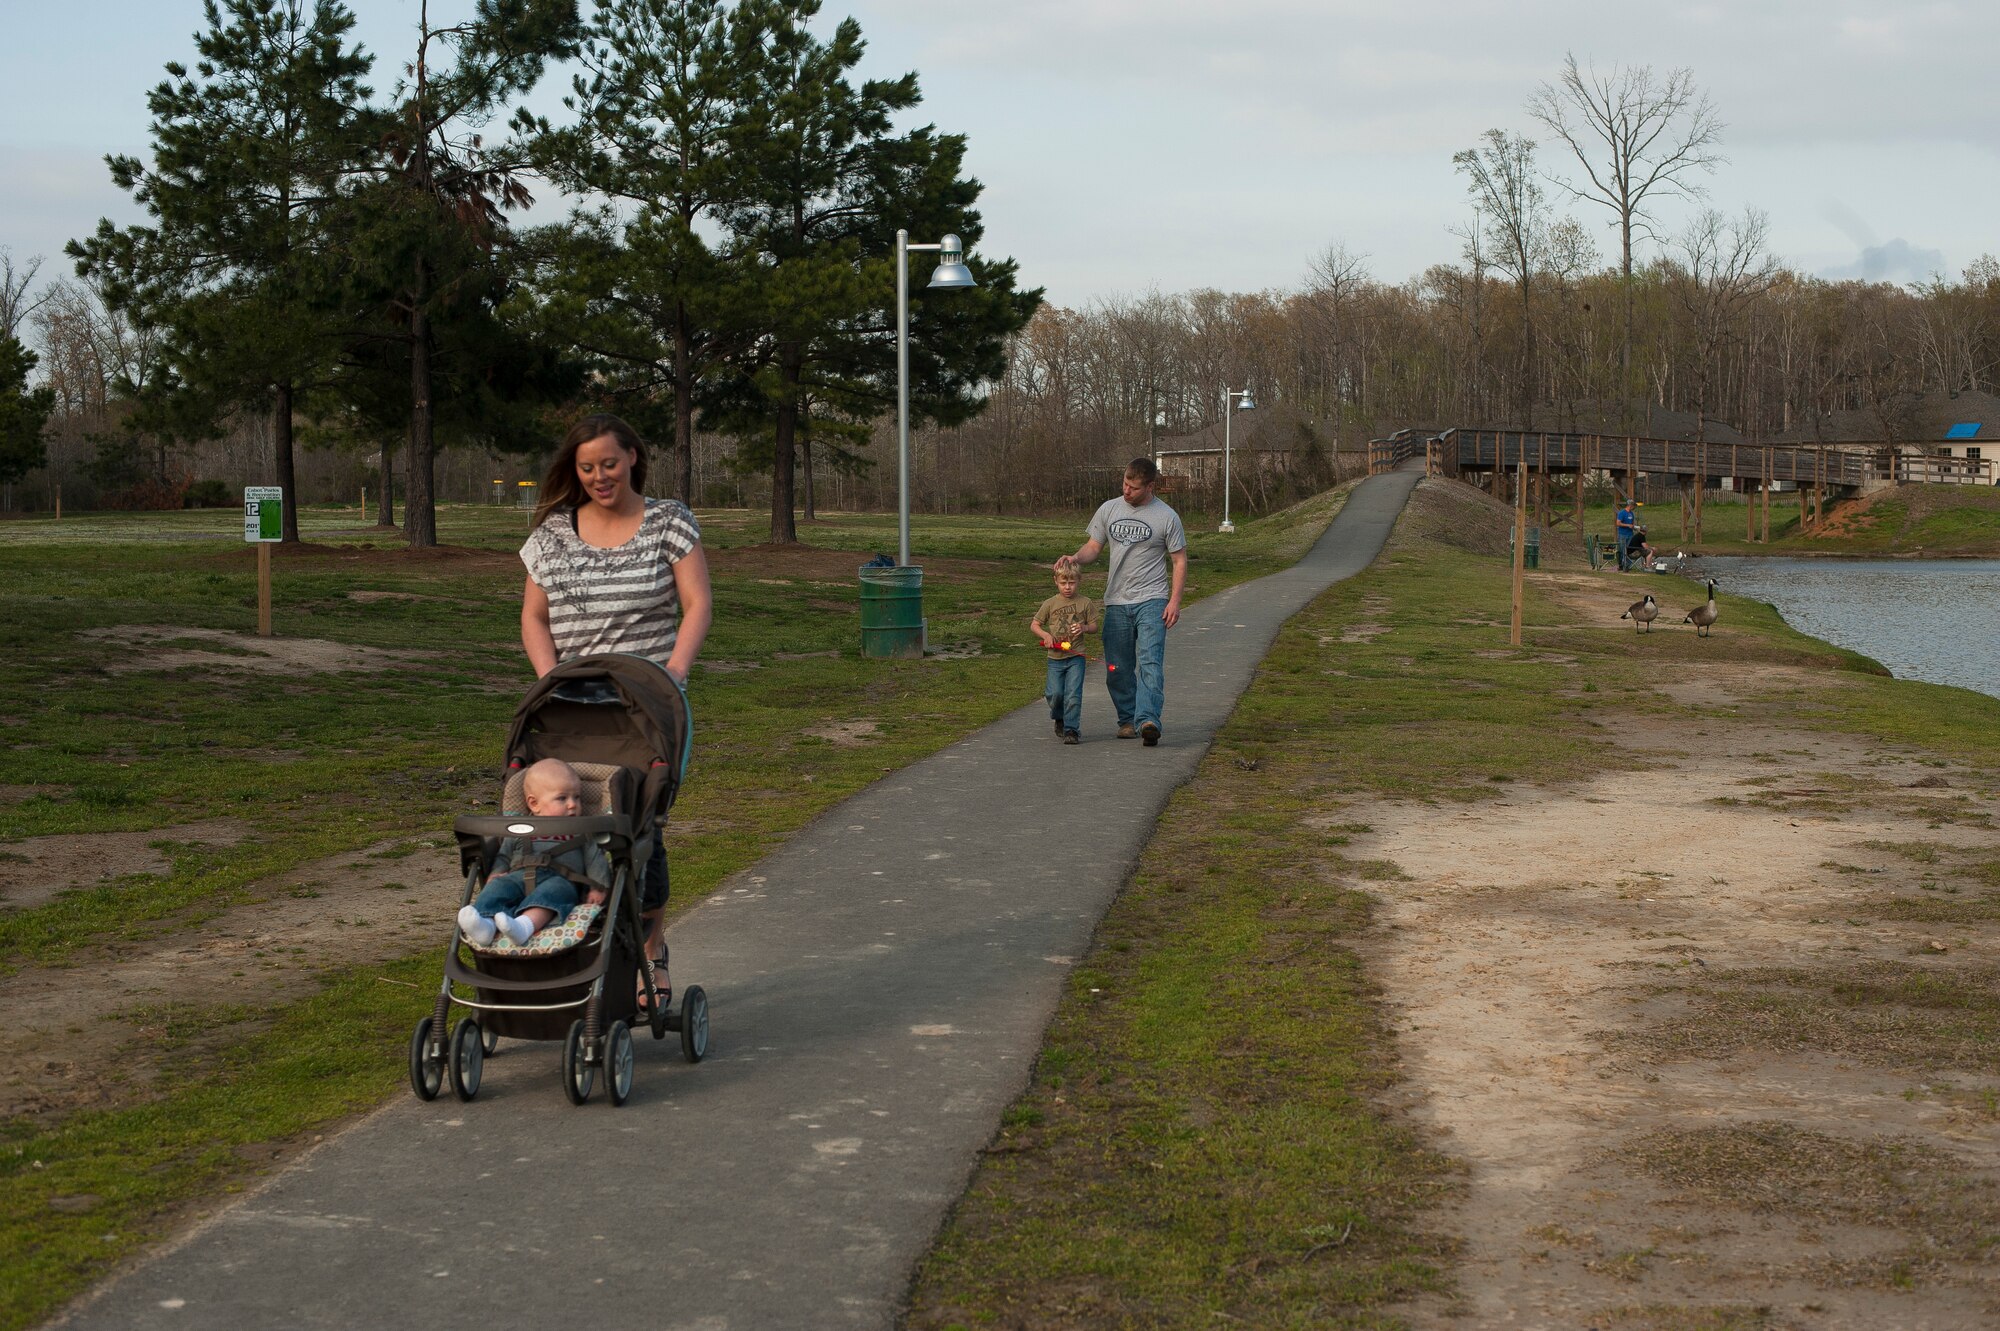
(509,892)
(1065,692)
(1135,660)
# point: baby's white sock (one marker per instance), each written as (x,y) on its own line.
(514,926)
(477,928)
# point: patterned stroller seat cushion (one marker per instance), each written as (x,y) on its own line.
(555,938)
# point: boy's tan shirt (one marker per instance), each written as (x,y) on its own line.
(1067,618)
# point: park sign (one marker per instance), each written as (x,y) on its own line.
(263,513)
(263,527)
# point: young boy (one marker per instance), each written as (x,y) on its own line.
(534,883)
(1060,624)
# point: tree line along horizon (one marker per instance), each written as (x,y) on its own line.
(342,268)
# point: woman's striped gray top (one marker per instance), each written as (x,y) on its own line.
(617,600)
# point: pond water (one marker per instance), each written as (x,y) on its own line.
(1928,619)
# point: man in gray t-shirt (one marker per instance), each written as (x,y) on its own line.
(1142,597)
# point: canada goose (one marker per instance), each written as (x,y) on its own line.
(1704,615)
(1643,613)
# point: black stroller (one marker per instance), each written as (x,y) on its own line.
(622,722)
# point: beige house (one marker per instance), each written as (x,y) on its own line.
(1949,437)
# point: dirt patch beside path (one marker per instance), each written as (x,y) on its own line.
(97,1032)
(40,867)
(162,647)
(1650,1013)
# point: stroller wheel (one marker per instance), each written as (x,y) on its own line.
(694,1024)
(618,1062)
(578,1076)
(468,1058)
(426,1066)
(488,1041)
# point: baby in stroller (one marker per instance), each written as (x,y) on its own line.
(595,756)
(534,883)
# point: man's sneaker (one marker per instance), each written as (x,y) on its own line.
(1127,732)
(1059,726)
(1071,737)
(1150,732)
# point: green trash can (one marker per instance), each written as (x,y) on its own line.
(1532,557)
(892,611)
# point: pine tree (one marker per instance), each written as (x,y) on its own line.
(648,296)
(826,185)
(250,150)
(23,412)
(433,226)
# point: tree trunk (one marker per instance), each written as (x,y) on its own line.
(281,458)
(385,502)
(784,530)
(1625,288)
(683,409)
(419,498)
(809,503)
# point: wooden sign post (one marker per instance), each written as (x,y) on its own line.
(1520,541)
(263,526)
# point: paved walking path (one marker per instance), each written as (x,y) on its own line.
(879,986)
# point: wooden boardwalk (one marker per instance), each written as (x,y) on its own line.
(1554,468)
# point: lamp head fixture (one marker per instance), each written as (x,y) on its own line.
(951,271)
(1246,404)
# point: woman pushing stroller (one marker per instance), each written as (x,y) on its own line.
(610,570)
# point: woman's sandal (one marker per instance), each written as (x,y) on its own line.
(666,990)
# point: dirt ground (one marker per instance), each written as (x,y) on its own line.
(1639,1012)
(98,1032)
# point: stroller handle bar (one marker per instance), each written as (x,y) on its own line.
(533,826)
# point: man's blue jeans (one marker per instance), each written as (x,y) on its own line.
(1624,550)
(1065,692)
(1135,660)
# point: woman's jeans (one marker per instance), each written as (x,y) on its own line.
(509,892)
(1135,660)
(1065,692)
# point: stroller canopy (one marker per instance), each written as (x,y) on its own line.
(613,708)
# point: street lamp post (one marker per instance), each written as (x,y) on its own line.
(1229,396)
(951,273)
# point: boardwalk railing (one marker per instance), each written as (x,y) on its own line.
(1463,450)
(1391,453)
(1945,471)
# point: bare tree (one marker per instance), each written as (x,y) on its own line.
(15,307)
(1634,137)
(1500,174)
(1719,269)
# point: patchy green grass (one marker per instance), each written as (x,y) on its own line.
(1956,520)
(1201,1142)
(1946,1215)
(1889,1013)
(316,764)
(1674,1317)
(85,1193)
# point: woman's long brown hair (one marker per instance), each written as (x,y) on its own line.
(561,488)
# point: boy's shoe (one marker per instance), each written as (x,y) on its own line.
(1126,731)
(478,930)
(1071,737)
(1059,726)
(1150,732)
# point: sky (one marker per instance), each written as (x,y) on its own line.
(1129,146)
